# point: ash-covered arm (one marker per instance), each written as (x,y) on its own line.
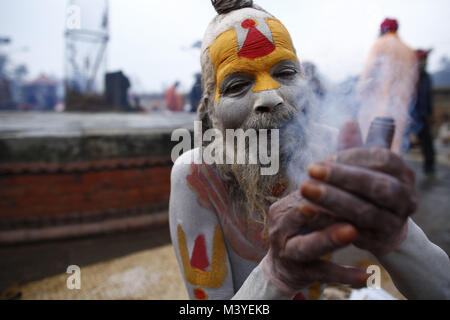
(419,268)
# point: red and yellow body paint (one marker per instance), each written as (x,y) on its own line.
(195,268)
(244,236)
(252,47)
(200,294)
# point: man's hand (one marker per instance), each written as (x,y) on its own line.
(299,238)
(370,188)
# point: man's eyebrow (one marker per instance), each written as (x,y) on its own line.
(287,61)
(235,74)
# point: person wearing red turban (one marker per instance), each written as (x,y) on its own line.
(387,86)
(388,25)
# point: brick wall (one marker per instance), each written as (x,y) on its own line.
(44,200)
(65,187)
(60,194)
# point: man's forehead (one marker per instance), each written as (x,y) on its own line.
(251,39)
(253,46)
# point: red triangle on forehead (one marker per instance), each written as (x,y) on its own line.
(256,44)
(199,257)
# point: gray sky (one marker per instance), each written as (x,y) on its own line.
(149,37)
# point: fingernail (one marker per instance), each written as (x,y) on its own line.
(311,190)
(318,171)
(345,234)
(307,211)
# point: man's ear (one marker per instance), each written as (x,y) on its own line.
(349,136)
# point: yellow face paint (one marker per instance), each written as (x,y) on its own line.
(253,47)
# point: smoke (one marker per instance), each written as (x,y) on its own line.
(385,89)
(312,135)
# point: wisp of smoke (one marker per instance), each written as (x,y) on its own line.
(312,135)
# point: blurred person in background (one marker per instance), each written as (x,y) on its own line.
(422,112)
(387,86)
(173,98)
(196,92)
(155,106)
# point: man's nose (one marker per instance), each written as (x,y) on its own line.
(267,101)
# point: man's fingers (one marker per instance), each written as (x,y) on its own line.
(309,247)
(377,187)
(285,219)
(348,207)
(329,272)
(378,159)
(296,216)
(315,218)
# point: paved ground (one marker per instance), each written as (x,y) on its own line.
(25,263)
(38,261)
(146,275)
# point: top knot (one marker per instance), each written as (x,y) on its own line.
(225,6)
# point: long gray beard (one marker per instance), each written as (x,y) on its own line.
(251,192)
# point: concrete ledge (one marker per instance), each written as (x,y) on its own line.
(71,137)
(86,148)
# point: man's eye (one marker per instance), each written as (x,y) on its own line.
(286,73)
(236,87)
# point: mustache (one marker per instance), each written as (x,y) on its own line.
(272,119)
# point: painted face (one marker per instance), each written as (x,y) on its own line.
(257,71)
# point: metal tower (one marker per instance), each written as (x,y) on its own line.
(87,35)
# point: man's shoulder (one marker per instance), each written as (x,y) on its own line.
(183,164)
(190,173)
(195,187)
(189,168)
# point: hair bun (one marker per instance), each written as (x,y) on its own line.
(225,6)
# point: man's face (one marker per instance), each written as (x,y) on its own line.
(240,106)
(259,86)
(258,76)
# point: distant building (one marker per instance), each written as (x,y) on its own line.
(6,100)
(40,94)
(116,90)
